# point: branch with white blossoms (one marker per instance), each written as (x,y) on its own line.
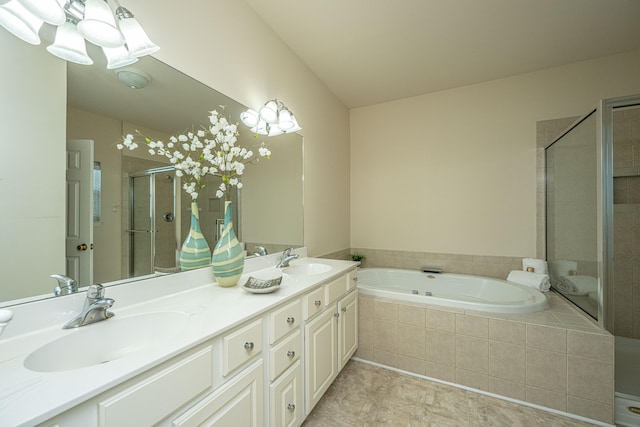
(209,151)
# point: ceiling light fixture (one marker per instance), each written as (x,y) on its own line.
(120,36)
(133,78)
(272,119)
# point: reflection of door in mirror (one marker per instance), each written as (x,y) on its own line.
(79,230)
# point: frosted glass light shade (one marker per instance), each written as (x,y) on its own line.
(137,40)
(249,118)
(284,120)
(69,45)
(118,57)
(269,113)
(99,25)
(20,22)
(50,11)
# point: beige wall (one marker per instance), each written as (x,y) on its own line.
(225,45)
(455,171)
(32,193)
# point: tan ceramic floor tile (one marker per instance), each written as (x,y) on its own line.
(365,395)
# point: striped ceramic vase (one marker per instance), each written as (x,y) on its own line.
(228,256)
(195,252)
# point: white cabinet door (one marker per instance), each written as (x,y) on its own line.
(348,327)
(321,356)
(239,402)
(286,398)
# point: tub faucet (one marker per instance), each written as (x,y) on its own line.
(96,308)
(286,257)
(66,285)
(259,251)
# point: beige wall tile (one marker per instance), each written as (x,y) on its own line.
(547,338)
(385,358)
(472,379)
(365,353)
(472,354)
(592,346)
(594,410)
(385,310)
(385,335)
(365,306)
(507,361)
(365,332)
(412,315)
(440,372)
(542,397)
(440,347)
(507,331)
(411,364)
(411,341)
(440,319)
(474,326)
(506,388)
(546,369)
(590,379)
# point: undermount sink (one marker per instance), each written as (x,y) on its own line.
(306,269)
(106,341)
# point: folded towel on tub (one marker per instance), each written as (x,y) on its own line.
(538,265)
(534,280)
(561,268)
(577,285)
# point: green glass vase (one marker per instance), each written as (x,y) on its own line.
(227,261)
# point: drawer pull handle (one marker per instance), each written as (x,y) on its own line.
(291,407)
(248,346)
(291,353)
(317,302)
(290,320)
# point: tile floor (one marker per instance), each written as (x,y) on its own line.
(367,395)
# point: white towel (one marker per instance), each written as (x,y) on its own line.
(538,265)
(534,280)
(561,268)
(577,285)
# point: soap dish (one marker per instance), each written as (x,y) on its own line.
(262,286)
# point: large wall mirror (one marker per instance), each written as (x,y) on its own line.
(141,214)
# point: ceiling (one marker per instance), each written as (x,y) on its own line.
(374,51)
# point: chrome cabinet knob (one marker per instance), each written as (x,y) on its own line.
(344,309)
(290,320)
(291,407)
(291,353)
(317,302)
(336,315)
(248,346)
(355,279)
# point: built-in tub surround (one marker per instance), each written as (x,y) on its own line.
(29,396)
(451,290)
(556,358)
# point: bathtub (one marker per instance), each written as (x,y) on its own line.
(451,290)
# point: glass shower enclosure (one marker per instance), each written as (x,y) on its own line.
(592,189)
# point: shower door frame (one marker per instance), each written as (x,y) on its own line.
(150,173)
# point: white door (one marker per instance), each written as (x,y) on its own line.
(79,233)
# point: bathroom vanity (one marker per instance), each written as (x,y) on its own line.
(194,353)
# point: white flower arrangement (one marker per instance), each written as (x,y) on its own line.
(208,151)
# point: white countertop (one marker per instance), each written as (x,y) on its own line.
(28,397)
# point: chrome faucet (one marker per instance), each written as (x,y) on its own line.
(96,308)
(286,257)
(259,251)
(66,285)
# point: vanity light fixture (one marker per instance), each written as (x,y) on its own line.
(271,119)
(120,36)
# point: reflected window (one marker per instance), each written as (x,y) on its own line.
(97,191)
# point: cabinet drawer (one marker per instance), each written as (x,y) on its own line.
(241,345)
(152,399)
(284,355)
(285,320)
(313,303)
(352,279)
(286,398)
(335,289)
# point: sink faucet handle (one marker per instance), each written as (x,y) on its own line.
(66,285)
(95,292)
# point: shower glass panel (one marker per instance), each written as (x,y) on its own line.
(572,213)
